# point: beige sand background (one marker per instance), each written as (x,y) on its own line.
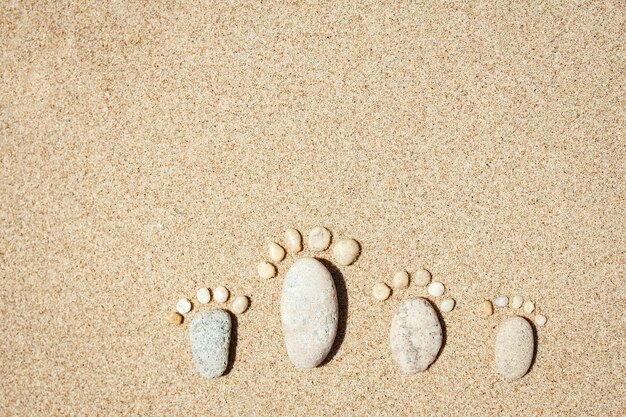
(150,148)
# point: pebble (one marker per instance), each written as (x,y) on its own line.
(346,251)
(400,280)
(209,336)
(309,312)
(293,240)
(175,318)
(517,301)
(515,346)
(447,305)
(540,319)
(487,307)
(381,291)
(183,306)
(319,239)
(266,270)
(422,277)
(501,301)
(221,294)
(529,307)
(436,289)
(240,304)
(416,335)
(203,295)
(276,252)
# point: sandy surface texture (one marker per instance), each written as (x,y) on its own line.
(148,149)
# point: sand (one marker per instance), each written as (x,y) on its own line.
(149,150)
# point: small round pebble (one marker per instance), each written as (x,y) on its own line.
(175,318)
(529,307)
(266,270)
(346,251)
(400,280)
(277,253)
(540,319)
(436,289)
(319,239)
(501,301)
(447,305)
(517,301)
(183,306)
(381,291)
(204,295)
(240,304)
(293,240)
(487,307)
(422,277)
(221,294)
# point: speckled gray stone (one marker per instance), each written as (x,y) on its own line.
(416,335)
(209,335)
(515,347)
(309,311)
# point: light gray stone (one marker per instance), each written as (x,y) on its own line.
(309,312)
(515,347)
(416,335)
(209,335)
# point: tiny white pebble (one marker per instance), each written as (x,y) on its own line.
(221,294)
(276,252)
(293,240)
(540,319)
(501,301)
(422,277)
(529,307)
(240,304)
(400,280)
(381,291)
(346,251)
(319,239)
(447,305)
(517,301)
(183,306)
(266,270)
(204,295)
(436,289)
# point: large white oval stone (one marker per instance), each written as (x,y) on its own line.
(515,347)
(308,310)
(209,335)
(416,335)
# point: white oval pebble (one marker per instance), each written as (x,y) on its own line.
(293,240)
(501,301)
(204,295)
(209,336)
(529,307)
(515,346)
(266,270)
(381,291)
(346,251)
(400,280)
(447,305)
(276,252)
(183,306)
(540,319)
(436,289)
(517,301)
(221,294)
(309,312)
(416,335)
(240,304)
(319,239)
(422,277)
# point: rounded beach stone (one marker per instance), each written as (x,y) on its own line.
(517,301)
(501,301)
(447,305)
(221,294)
(422,277)
(319,239)
(183,306)
(240,304)
(266,270)
(529,307)
(487,307)
(209,335)
(515,346)
(293,240)
(276,252)
(416,335)
(175,318)
(309,312)
(381,291)
(540,319)
(203,295)
(436,289)
(400,280)
(346,251)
